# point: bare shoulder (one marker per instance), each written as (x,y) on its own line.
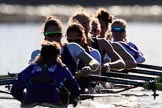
(116,45)
(103,42)
(119,48)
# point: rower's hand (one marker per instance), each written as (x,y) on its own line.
(105,68)
(85,71)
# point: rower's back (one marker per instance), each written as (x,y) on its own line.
(47,81)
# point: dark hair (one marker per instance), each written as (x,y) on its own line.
(104,15)
(95,25)
(52,21)
(74,25)
(49,51)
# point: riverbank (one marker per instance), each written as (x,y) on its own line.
(34,14)
(84,2)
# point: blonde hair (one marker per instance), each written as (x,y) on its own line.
(81,13)
(124,25)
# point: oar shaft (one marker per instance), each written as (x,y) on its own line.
(3,76)
(1,91)
(128,76)
(97,95)
(146,85)
(149,66)
(142,71)
(7,81)
(9,75)
(114,80)
(6,78)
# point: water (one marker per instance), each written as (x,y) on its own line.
(17,41)
(148,37)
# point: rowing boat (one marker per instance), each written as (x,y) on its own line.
(126,99)
(111,97)
(101,101)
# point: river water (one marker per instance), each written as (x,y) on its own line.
(17,41)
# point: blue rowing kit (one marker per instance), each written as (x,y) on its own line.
(44,83)
(134,51)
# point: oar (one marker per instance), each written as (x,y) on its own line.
(7,81)
(92,96)
(147,84)
(117,91)
(5,97)
(9,75)
(1,91)
(150,66)
(143,71)
(128,76)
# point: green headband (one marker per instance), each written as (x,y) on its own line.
(49,33)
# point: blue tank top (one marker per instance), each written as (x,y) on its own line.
(68,60)
(131,50)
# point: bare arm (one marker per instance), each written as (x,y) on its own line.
(88,59)
(128,59)
(117,62)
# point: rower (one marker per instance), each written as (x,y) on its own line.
(48,82)
(75,34)
(119,34)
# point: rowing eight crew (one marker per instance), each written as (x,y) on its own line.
(51,80)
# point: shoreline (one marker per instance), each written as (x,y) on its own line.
(37,14)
